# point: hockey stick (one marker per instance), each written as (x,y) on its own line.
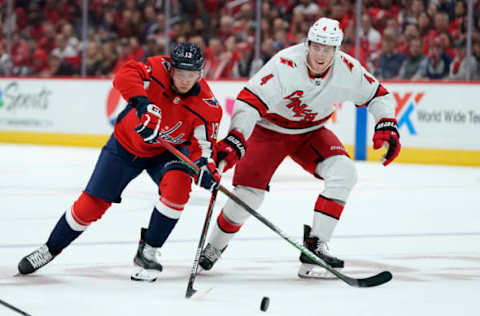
(13,308)
(193,274)
(375,280)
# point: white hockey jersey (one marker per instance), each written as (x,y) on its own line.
(284,97)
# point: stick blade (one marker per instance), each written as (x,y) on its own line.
(190,292)
(376,280)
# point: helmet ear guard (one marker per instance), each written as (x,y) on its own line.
(325,31)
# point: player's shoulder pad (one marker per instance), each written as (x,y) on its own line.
(290,57)
(159,63)
(206,104)
(159,70)
(347,63)
(349,68)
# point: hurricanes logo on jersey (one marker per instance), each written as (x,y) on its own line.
(300,110)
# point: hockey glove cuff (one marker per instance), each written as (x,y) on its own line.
(230,149)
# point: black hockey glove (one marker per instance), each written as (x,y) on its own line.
(208,177)
(150,117)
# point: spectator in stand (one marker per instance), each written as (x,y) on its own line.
(136,50)
(20,55)
(149,20)
(369,36)
(309,8)
(297,25)
(410,12)
(243,66)
(138,25)
(198,40)
(280,40)
(219,61)
(247,12)
(47,40)
(109,58)
(157,27)
(245,30)
(5,61)
(462,67)
(65,52)
(226,27)
(432,9)
(38,61)
(339,11)
(348,46)
(447,6)
(381,12)
(124,54)
(440,26)
(414,66)
(390,59)
(178,29)
(123,23)
(438,62)
(108,22)
(457,24)
(154,46)
(94,59)
(411,32)
(476,55)
(446,43)
(57,67)
(424,27)
(199,27)
(72,40)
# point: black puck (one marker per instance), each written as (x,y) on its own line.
(264,304)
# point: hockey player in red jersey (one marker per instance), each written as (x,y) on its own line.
(167,98)
(281,112)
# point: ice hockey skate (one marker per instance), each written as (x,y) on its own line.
(35,260)
(308,268)
(146,262)
(209,256)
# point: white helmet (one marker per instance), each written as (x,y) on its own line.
(326,31)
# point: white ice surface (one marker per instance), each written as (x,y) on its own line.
(420,222)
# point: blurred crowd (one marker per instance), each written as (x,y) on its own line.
(399,39)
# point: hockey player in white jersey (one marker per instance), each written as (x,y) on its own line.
(281,112)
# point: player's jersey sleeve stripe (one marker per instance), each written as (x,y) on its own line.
(200,135)
(286,123)
(253,100)
(381,91)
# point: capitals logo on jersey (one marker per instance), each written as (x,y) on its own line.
(211,102)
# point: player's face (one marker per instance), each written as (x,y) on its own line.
(319,56)
(183,80)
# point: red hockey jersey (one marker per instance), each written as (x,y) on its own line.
(189,120)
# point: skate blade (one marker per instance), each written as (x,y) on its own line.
(144,275)
(311,271)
